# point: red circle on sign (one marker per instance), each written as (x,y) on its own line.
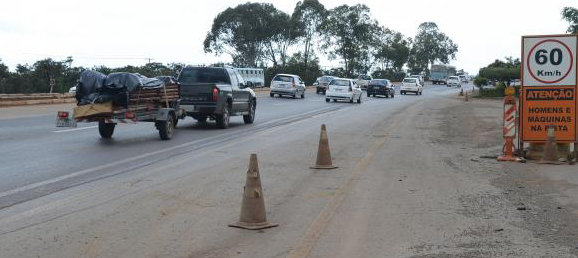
(540,43)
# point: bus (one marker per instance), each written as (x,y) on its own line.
(440,73)
(255,75)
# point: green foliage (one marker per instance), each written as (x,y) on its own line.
(36,78)
(390,74)
(502,71)
(480,81)
(570,14)
(308,17)
(430,46)
(350,34)
(393,50)
(337,72)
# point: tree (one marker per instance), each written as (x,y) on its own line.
(309,15)
(570,14)
(251,32)
(350,34)
(502,71)
(393,50)
(431,45)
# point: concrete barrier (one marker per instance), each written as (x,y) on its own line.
(9,100)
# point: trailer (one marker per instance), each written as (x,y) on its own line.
(160,106)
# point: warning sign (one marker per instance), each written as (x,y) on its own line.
(548,87)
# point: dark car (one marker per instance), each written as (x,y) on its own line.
(216,93)
(323,82)
(380,87)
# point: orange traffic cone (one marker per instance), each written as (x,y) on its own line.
(323,153)
(550,155)
(253,215)
(461,92)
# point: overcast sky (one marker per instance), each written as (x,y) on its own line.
(118,33)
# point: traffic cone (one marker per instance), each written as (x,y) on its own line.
(466,99)
(253,215)
(550,149)
(461,92)
(323,153)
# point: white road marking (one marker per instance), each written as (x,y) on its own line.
(76,129)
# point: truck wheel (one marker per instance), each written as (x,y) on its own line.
(271,95)
(105,130)
(166,128)
(359,99)
(303,95)
(248,119)
(327,100)
(223,119)
(368,95)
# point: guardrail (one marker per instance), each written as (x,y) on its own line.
(9,100)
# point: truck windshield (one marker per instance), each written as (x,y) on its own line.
(204,75)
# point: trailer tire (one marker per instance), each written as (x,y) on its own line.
(105,129)
(166,128)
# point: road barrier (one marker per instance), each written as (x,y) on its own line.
(9,100)
(509,130)
(323,152)
(253,215)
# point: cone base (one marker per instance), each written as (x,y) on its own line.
(506,158)
(323,167)
(253,226)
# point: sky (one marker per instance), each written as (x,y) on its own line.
(116,33)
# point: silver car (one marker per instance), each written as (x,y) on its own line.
(343,89)
(287,84)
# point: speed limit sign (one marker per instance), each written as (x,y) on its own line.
(549,61)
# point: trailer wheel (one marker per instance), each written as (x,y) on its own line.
(166,128)
(105,129)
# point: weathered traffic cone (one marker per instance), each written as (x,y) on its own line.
(323,153)
(253,215)
(550,149)
(466,99)
(461,92)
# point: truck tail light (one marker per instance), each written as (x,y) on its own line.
(63,114)
(130,115)
(215,94)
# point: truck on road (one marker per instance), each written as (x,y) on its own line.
(216,93)
(440,73)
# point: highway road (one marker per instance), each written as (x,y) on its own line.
(407,185)
(39,158)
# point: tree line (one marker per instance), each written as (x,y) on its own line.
(260,35)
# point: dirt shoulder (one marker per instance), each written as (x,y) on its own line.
(544,198)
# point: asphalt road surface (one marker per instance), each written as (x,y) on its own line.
(405,186)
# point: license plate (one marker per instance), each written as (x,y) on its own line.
(338,90)
(65,122)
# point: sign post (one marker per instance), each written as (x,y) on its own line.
(548,93)
(509,126)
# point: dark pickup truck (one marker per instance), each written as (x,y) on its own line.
(216,93)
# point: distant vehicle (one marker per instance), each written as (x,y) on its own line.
(418,77)
(254,75)
(216,93)
(464,78)
(287,84)
(515,82)
(380,87)
(343,89)
(316,83)
(440,73)
(323,82)
(72,89)
(411,85)
(454,81)
(363,80)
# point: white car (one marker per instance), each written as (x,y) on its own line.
(287,84)
(454,81)
(463,79)
(411,85)
(363,80)
(343,89)
(72,89)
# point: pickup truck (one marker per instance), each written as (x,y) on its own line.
(216,93)
(363,81)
